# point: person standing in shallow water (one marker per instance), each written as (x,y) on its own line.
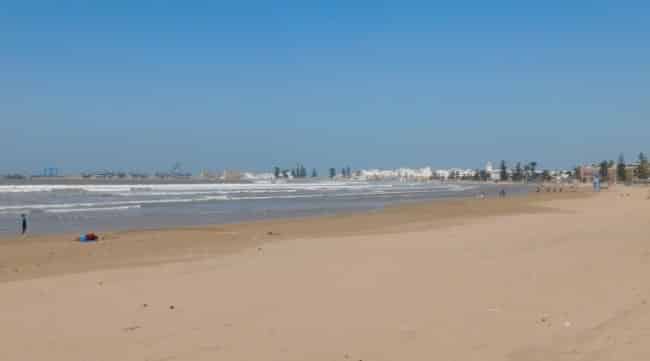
(23,223)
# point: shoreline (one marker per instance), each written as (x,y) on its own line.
(102,210)
(54,254)
(41,227)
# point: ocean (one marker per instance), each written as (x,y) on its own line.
(97,207)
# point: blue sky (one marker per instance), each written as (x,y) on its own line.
(215,84)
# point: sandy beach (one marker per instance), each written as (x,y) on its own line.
(551,276)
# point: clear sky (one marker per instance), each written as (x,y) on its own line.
(239,84)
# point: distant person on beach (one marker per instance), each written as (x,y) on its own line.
(502,193)
(23,223)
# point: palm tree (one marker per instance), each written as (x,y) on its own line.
(504,171)
(604,167)
(620,168)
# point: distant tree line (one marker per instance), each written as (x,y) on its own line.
(346,172)
(625,172)
(301,172)
(298,172)
(520,173)
(621,170)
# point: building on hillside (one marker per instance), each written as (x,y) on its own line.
(402,174)
(258,177)
(209,175)
(231,176)
(489,168)
(632,172)
(442,174)
(419,174)
(586,173)
(493,174)
(612,174)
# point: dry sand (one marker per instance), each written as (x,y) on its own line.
(546,277)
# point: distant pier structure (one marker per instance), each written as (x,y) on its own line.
(51,172)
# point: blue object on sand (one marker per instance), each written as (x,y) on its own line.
(88,237)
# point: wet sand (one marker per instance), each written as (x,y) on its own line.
(545,277)
(38,256)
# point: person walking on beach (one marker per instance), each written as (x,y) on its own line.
(24,223)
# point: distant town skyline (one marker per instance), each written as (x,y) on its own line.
(299,170)
(140,86)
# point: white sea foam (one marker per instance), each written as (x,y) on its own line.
(99,209)
(174,189)
(128,188)
(107,204)
(121,197)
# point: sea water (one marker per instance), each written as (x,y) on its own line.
(78,208)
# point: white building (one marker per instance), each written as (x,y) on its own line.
(493,174)
(402,174)
(442,173)
(258,177)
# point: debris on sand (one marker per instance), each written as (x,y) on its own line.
(544,319)
(88,237)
